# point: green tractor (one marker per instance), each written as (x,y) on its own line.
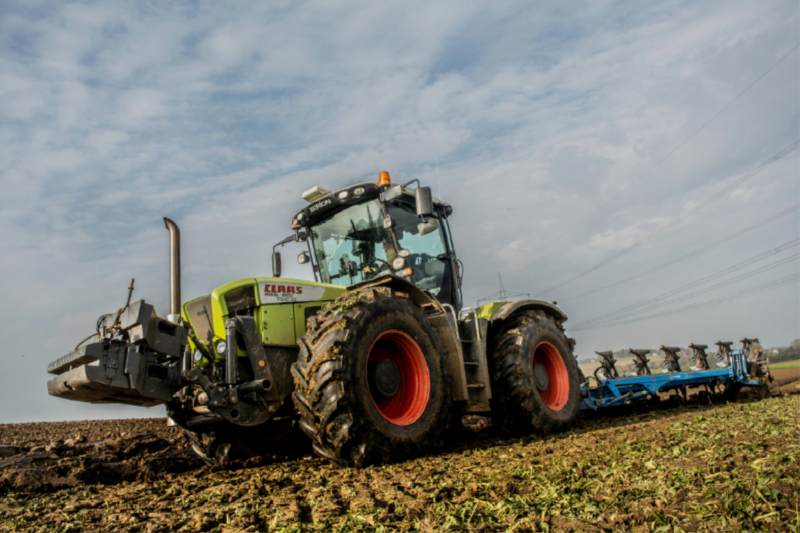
(373,360)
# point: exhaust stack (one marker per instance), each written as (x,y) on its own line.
(174,270)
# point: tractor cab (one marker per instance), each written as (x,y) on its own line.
(371,229)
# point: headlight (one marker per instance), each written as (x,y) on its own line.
(398,263)
(342,195)
(359,191)
(197,356)
(221,347)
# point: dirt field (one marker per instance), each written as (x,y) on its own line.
(785,376)
(723,467)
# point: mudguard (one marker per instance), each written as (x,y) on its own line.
(420,298)
(540,305)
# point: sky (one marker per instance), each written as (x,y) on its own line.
(581,145)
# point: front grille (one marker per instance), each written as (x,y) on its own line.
(199,312)
(241,302)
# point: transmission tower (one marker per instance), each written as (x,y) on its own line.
(503,295)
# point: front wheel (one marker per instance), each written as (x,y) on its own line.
(535,377)
(371,380)
(226,442)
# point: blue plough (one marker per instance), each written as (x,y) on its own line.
(735,372)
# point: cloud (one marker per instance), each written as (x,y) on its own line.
(527,117)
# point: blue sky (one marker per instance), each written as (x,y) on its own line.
(526,117)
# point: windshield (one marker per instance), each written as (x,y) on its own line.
(428,271)
(353,246)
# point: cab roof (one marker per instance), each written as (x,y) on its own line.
(328,205)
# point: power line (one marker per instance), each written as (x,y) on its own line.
(788,280)
(781,282)
(746,275)
(706,279)
(502,295)
(681,145)
(695,253)
(637,308)
(675,221)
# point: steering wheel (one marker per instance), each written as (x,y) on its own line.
(373,264)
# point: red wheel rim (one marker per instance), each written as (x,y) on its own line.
(556,394)
(409,403)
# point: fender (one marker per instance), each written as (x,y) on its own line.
(420,298)
(539,305)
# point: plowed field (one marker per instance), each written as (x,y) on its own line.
(721,467)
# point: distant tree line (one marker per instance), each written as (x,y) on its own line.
(785,353)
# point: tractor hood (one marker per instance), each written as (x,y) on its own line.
(280,306)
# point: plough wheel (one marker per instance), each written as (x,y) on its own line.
(536,384)
(763,390)
(731,392)
(371,383)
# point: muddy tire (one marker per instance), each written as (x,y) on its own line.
(535,378)
(371,383)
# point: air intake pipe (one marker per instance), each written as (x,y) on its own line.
(174,270)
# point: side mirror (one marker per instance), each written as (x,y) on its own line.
(301,236)
(424,202)
(427,227)
(351,269)
(303,258)
(276,264)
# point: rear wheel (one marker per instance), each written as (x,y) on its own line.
(535,377)
(371,380)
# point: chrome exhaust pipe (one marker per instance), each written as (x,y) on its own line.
(174,270)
